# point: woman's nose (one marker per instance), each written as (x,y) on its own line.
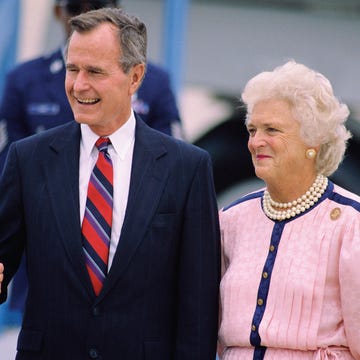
(257,139)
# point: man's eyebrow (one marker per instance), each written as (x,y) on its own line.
(94,68)
(70,65)
(87,68)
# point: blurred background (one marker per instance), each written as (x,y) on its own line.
(211,49)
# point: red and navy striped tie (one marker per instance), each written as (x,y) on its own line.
(96,226)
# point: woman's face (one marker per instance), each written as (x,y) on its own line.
(277,150)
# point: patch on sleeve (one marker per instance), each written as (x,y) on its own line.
(139,105)
(4,138)
(177,130)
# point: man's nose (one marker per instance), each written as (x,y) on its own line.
(81,82)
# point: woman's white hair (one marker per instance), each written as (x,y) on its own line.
(320,114)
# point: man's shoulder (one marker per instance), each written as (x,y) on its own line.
(178,147)
(155,82)
(153,136)
(50,63)
(155,71)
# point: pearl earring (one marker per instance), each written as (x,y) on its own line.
(310,153)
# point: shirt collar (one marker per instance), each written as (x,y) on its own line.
(121,139)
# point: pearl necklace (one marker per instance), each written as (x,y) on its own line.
(297,206)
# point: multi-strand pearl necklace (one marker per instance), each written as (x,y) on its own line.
(298,206)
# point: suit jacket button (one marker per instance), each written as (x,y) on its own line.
(96,311)
(93,353)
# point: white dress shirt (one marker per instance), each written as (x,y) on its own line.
(121,153)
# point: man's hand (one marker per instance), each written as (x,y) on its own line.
(1,274)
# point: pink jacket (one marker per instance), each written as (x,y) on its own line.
(291,289)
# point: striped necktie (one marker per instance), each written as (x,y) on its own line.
(96,226)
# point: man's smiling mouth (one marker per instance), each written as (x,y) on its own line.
(87,101)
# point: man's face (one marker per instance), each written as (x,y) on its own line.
(98,90)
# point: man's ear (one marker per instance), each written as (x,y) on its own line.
(137,74)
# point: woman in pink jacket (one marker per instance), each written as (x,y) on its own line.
(291,287)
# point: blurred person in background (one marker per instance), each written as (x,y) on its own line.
(290,286)
(118,221)
(34,100)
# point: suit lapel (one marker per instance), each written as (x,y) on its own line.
(62,173)
(148,177)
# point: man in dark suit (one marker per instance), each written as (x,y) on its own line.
(157,297)
(34,100)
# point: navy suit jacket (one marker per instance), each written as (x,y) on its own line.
(160,298)
(34,100)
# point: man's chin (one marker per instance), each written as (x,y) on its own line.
(82,120)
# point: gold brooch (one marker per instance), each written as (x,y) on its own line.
(335,213)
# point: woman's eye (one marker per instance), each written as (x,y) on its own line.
(251,132)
